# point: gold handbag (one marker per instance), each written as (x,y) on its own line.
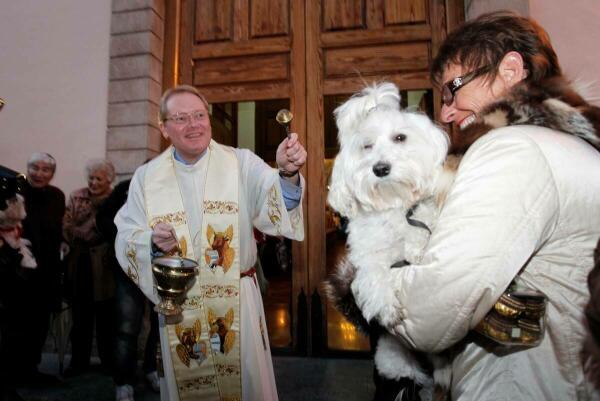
(517,318)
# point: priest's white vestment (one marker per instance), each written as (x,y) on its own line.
(261,205)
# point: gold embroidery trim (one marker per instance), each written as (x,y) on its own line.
(210,291)
(197,383)
(273,208)
(177,219)
(192,302)
(295,218)
(228,370)
(220,207)
(132,267)
(220,291)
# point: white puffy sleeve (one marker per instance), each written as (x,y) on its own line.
(133,243)
(501,209)
(266,204)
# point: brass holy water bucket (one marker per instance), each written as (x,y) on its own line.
(173,277)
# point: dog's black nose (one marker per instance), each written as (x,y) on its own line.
(382,169)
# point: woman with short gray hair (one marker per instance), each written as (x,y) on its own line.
(90,284)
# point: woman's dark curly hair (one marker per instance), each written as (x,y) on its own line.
(484,41)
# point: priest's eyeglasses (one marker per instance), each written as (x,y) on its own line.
(187,118)
(450,88)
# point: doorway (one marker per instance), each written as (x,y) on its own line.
(308,55)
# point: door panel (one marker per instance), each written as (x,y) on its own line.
(238,50)
(216,18)
(227,70)
(392,58)
(405,11)
(343,14)
(269,18)
(350,43)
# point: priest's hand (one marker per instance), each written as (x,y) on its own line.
(290,157)
(164,237)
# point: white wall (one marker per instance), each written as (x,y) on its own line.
(574,29)
(54,63)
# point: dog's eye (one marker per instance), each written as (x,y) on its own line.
(400,138)
(368,146)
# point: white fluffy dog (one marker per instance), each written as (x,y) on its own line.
(388,180)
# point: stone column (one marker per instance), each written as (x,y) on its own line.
(135,83)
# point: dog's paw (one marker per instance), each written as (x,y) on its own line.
(377,298)
(390,316)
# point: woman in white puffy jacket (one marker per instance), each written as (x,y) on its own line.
(525,207)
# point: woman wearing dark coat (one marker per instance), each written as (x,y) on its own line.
(45,207)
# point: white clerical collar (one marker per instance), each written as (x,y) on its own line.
(180,159)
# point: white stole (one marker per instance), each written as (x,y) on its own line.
(205,345)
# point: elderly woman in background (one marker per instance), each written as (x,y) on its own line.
(523,209)
(90,283)
(45,207)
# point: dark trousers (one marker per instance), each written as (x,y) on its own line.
(45,299)
(86,313)
(130,303)
(12,332)
(24,320)
(35,332)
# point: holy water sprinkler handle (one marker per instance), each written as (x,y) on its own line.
(284,117)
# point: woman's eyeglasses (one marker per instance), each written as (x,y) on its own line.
(450,88)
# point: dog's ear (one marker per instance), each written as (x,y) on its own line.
(340,198)
(351,113)
(441,141)
(437,138)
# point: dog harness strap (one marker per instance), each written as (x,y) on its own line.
(401,263)
(413,222)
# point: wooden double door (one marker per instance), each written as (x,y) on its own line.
(306,54)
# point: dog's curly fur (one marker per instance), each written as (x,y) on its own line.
(13,212)
(337,290)
(390,161)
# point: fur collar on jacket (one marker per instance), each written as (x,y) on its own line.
(552,103)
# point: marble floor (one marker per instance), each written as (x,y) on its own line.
(298,379)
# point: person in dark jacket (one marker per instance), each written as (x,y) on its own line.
(45,207)
(130,304)
(16,263)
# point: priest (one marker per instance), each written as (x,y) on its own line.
(202,199)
